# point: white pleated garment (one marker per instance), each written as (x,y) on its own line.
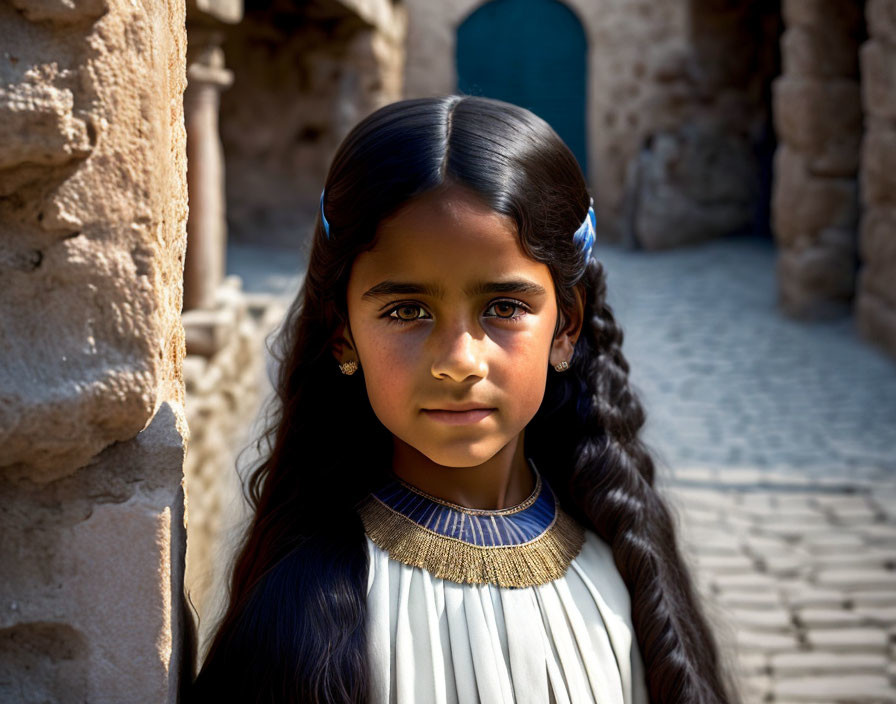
(570,641)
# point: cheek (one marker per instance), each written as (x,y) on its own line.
(524,372)
(388,372)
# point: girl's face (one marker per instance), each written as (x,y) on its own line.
(453,326)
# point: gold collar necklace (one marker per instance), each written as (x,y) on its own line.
(525,545)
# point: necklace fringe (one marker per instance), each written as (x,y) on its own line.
(539,561)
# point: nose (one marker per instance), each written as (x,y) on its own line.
(458,356)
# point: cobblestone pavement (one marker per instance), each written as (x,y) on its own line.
(729,382)
(800,584)
(776,444)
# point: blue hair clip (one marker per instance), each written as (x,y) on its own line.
(323,218)
(584,236)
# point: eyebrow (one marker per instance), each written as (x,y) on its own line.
(392,288)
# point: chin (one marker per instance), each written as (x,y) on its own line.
(469,456)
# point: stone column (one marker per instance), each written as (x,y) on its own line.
(876,297)
(818,119)
(206,227)
(93,209)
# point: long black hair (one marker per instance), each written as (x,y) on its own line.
(294,627)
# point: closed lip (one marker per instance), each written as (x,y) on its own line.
(461,408)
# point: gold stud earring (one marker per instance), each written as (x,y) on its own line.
(562,367)
(348,368)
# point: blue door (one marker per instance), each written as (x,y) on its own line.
(532,53)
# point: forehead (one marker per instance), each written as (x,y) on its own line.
(448,237)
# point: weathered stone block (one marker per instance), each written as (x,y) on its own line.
(92,230)
(693,185)
(839,158)
(60,11)
(223,10)
(816,282)
(208,331)
(875,320)
(877,246)
(879,78)
(880,16)
(817,51)
(878,174)
(811,113)
(843,14)
(93,565)
(803,205)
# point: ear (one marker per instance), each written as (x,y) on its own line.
(342,345)
(564,343)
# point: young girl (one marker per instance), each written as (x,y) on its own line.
(455,506)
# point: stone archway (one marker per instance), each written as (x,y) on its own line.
(531,53)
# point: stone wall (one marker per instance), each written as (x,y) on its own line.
(226,384)
(687,147)
(818,118)
(876,297)
(304,74)
(93,206)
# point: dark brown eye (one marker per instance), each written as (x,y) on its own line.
(406,312)
(504,309)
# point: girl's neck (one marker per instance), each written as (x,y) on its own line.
(504,480)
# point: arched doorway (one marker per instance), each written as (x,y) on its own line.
(531,53)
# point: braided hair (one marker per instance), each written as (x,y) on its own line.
(294,625)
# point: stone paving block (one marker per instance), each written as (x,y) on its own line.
(729,564)
(881,616)
(765,642)
(805,596)
(866,557)
(742,523)
(695,474)
(842,502)
(854,689)
(855,579)
(749,599)
(801,512)
(873,598)
(793,530)
(757,501)
(833,542)
(884,533)
(855,517)
(751,580)
(756,688)
(746,476)
(821,662)
(850,639)
(696,516)
(772,619)
(787,566)
(713,542)
(795,500)
(753,663)
(829,618)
